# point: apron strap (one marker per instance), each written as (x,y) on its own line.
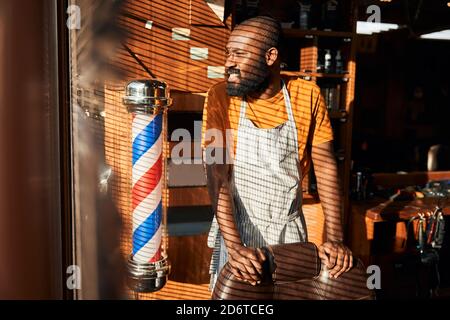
(290,113)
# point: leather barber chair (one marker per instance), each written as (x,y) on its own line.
(299,275)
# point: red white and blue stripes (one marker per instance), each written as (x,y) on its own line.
(147,187)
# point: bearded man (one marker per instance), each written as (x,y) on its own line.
(277,126)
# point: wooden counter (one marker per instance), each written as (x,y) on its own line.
(380,224)
(404,210)
(379,235)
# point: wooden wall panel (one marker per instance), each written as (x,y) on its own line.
(168,59)
(190,259)
(185,101)
(214,39)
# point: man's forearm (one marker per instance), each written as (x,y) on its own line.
(246,263)
(328,185)
(219,191)
(225,218)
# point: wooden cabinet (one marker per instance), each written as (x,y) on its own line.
(337,89)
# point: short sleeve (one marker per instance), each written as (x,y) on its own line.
(321,126)
(213,127)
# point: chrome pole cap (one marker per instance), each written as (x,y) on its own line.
(147,96)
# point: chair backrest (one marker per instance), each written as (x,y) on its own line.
(299,275)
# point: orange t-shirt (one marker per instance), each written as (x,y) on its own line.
(308,106)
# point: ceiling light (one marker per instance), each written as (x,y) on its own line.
(439,35)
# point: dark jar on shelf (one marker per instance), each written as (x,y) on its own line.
(330,15)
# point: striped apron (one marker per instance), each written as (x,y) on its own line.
(266,188)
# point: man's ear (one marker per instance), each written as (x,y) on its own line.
(271,56)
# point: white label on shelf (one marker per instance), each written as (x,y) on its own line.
(181,34)
(149,24)
(199,53)
(216,72)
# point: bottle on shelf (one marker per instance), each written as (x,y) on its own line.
(330,15)
(337,97)
(331,94)
(325,90)
(339,63)
(304,21)
(327,61)
(330,61)
(361,184)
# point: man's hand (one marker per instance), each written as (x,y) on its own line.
(246,263)
(337,257)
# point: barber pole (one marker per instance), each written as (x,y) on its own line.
(146,187)
(148,266)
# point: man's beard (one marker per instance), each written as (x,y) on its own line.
(254,83)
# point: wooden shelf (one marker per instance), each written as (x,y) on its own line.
(343,76)
(298,33)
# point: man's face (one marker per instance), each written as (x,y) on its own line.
(246,68)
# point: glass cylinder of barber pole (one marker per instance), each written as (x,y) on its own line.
(148,264)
